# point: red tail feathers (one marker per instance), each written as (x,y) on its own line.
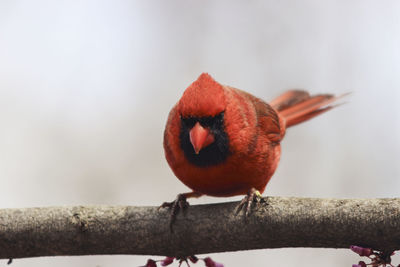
(296,106)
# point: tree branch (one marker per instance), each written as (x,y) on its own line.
(277,223)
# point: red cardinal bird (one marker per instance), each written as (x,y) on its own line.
(221,141)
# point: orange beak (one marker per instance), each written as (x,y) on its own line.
(200,137)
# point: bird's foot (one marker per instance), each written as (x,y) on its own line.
(252,197)
(179,204)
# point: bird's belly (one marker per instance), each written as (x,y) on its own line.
(229,179)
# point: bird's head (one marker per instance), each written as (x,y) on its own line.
(201,110)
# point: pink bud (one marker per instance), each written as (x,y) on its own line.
(193,259)
(360,264)
(361,251)
(209,262)
(167,261)
(151,263)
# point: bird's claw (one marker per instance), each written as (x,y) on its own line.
(179,204)
(253,196)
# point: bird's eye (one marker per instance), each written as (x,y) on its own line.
(220,117)
(188,121)
(209,122)
(215,121)
(206,121)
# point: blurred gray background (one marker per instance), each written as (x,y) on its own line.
(86,87)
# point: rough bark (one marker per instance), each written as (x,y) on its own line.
(277,223)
